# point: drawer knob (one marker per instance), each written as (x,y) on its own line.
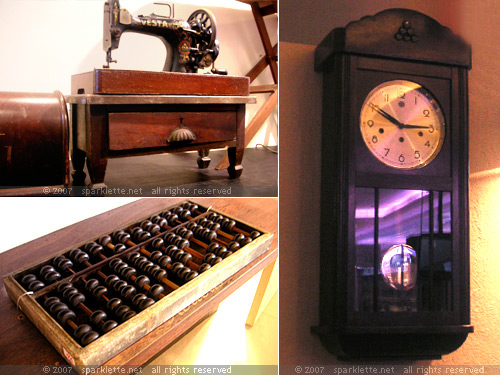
(181,135)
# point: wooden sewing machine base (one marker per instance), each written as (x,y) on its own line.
(118,113)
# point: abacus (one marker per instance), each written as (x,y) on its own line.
(97,298)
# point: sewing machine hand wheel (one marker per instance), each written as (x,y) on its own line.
(204,21)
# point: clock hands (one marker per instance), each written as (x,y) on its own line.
(392,119)
(383,113)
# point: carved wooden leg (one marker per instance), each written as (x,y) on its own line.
(78,160)
(203,159)
(235,156)
(97,170)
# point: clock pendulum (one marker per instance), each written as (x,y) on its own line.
(394,278)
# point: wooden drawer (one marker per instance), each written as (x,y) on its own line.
(129,131)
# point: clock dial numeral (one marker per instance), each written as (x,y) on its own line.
(402,128)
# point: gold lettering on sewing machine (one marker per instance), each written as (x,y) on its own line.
(159,23)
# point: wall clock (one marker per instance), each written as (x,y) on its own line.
(394,223)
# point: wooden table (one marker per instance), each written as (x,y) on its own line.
(113,126)
(22,344)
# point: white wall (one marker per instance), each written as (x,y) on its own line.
(44,42)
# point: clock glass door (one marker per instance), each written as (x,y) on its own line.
(403,250)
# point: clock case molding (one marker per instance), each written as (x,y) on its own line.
(354,60)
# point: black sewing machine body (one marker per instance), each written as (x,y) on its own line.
(191,44)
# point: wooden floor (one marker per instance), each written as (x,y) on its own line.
(179,175)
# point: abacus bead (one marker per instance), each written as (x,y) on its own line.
(155,255)
(128,291)
(58,306)
(229,225)
(177,210)
(214,226)
(181,243)
(67,292)
(138,298)
(165,213)
(212,216)
(116,233)
(91,284)
(53,276)
(160,274)
(133,256)
(77,298)
(120,310)
(89,337)
(208,256)
(29,278)
(152,269)
(144,236)
(226,254)
(238,237)
(221,250)
(190,276)
(182,272)
(155,291)
(246,241)
(113,304)
(157,243)
(128,315)
(81,330)
(81,257)
(128,272)
(215,260)
(144,224)
(145,303)
(63,263)
(119,248)
(254,234)
(97,316)
(212,247)
(192,226)
(109,325)
(142,280)
(118,285)
(50,301)
(164,261)
(186,258)
(192,207)
(202,221)
(64,315)
(46,269)
(135,231)
(63,286)
(204,267)
(111,279)
(209,235)
(104,240)
(124,237)
(233,246)
(35,285)
(176,267)
(172,218)
(99,291)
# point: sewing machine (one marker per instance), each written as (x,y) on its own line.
(191,44)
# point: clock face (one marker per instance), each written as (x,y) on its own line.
(402,124)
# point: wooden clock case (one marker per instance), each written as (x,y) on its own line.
(395,44)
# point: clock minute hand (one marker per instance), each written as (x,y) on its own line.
(384,114)
(404,126)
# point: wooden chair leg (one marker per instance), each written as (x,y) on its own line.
(257,305)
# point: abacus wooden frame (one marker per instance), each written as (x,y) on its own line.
(130,331)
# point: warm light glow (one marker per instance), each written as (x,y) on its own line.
(399,267)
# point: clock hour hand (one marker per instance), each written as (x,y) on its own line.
(384,114)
